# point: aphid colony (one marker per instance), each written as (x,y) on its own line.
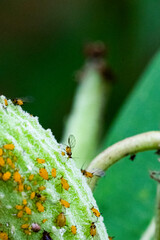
(34,193)
(9,172)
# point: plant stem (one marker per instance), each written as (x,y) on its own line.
(86,115)
(149,232)
(86,118)
(138,143)
(157,232)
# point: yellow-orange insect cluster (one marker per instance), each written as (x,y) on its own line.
(7,165)
(33,187)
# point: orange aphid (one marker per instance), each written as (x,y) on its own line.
(43,173)
(20,187)
(87,174)
(32,195)
(64,183)
(3,236)
(6,176)
(44,220)
(28,210)
(5,102)
(40,160)
(64,203)
(17,177)
(9,161)
(97,173)
(2,162)
(53,172)
(71,144)
(61,220)
(28,188)
(63,153)
(1,151)
(68,151)
(41,188)
(9,146)
(31,177)
(20,214)
(93,229)
(18,101)
(73,230)
(95,212)
(25,226)
(24,202)
(110,238)
(40,207)
(19,207)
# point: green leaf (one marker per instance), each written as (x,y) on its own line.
(126,195)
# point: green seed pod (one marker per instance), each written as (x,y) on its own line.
(30,191)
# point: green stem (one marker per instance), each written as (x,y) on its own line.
(149,232)
(86,116)
(138,143)
(85,121)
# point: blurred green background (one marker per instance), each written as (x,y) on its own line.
(41,48)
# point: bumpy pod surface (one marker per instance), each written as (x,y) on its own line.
(30,195)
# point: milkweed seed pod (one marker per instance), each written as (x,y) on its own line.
(33,174)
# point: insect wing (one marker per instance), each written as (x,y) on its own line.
(71,141)
(98,173)
(28,99)
(21,100)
